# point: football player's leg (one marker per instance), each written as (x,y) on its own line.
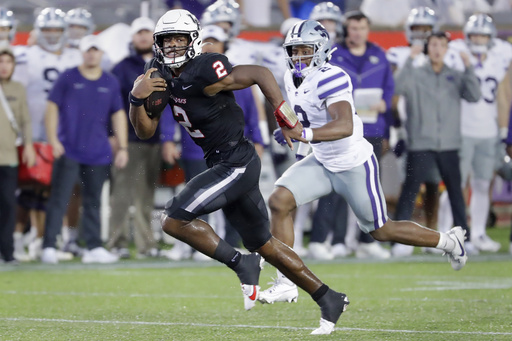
(304,182)
(202,195)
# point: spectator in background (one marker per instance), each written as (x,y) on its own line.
(196,7)
(420,23)
(135,184)
(80,24)
(491,58)
(38,68)
(80,105)
(433,94)
(368,68)
(14,122)
(302,8)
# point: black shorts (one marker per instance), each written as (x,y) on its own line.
(232,187)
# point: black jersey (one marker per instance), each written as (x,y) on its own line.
(215,123)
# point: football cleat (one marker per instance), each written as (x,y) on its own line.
(280,291)
(331,312)
(458,255)
(325,328)
(251,293)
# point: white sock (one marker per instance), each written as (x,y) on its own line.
(282,278)
(18,242)
(445,243)
(479,206)
(444,213)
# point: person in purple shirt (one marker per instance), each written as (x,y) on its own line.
(368,67)
(80,105)
(135,184)
(196,7)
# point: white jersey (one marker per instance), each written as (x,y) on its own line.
(269,55)
(37,71)
(398,55)
(322,87)
(480,119)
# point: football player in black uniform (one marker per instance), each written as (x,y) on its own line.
(202,101)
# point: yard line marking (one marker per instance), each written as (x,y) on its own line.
(23,319)
(455,285)
(234,296)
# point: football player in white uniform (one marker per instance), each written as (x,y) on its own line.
(8,25)
(491,58)
(42,64)
(342,160)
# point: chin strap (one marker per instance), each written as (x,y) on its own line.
(285,116)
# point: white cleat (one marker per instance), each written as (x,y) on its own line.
(251,294)
(402,250)
(99,255)
(325,328)
(372,250)
(49,255)
(484,243)
(280,291)
(458,255)
(320,251)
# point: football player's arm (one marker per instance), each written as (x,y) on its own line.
(341,126)
(51,120)
(143,86)
(243,76)
(503,105)
(120,127)
(470,86)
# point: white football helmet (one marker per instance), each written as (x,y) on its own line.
(479,24)
(223,11)
(328,11)
(7,20)
(177,21)
(51,17)
(312,33)
(420,16)
(78,17)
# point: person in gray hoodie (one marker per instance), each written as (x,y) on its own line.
(433,94)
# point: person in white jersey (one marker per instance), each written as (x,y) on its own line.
(491,58)
(342,160)
(41,66)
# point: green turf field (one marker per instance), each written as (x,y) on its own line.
(420,298)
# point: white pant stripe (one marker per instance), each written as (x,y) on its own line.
(212,190)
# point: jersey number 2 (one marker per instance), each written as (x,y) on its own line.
(219,68)
(185,122)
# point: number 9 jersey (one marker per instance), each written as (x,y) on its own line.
(215,123)
(320,88)
(37,69)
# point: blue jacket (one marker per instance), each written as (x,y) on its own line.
(126,72)
(371,70)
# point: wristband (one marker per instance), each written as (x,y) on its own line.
(137,102)
(307,134)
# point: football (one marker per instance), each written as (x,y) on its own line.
(157,101)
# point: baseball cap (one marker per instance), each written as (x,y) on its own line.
(88,42)
(215,32)
(142,23)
